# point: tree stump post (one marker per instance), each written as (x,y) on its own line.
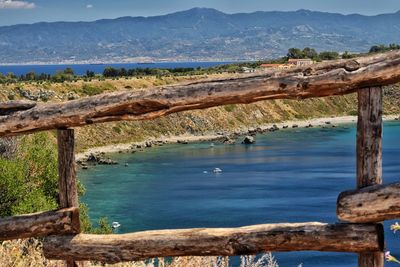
(68,192)
(369,153)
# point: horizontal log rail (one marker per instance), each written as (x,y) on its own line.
(65,221)
(370,204)
(319,80)
(216,242)
(13,106)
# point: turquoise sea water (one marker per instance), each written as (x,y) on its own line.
(287,176)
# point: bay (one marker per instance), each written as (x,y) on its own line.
(291,175)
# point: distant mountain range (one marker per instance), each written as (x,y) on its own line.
(200,34)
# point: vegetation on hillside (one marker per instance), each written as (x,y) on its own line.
(311,53)
(28,165)
(29,179)
(68,74)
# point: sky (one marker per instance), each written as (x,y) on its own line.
(30,11)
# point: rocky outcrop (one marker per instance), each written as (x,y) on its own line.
(248,140)
(228,141)
(43,95)
(96,158)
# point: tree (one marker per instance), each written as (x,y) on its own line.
(11,75)
(383,48)
(295,53)
(90,74)
(377,48)
(69,71)
(310,53)
(394,47)
(30,76)
(347,55)
(123,72)
(110,72)
(328,55)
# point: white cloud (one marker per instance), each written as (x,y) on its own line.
(89,6)
(11,4)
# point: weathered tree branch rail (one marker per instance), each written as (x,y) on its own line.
(370,204)
(10,107)
(216,242)
(65,221)
(325,79)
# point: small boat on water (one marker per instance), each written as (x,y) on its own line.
(217,170)
(115,225)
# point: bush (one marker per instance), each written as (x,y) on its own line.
(103,226)
(229,108)
(117,129)
(28,182)
(353,113)
(91,90)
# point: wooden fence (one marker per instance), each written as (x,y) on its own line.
(360,211)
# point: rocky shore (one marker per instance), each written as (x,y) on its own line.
(98,155)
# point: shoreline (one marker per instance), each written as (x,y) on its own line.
(189,138)
(57,63)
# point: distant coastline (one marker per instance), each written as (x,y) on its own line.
(130,61)
(80,69)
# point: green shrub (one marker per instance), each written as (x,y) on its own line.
(28,182)
(117,129)
(91,90)
(229,108)
(353,113)
(103,226)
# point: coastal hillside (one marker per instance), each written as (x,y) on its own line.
(199,34)
(219,120)
(226,119)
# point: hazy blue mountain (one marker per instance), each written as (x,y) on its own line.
(196,34)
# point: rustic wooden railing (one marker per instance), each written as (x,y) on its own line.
(360,211)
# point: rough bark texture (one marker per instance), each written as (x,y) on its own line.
(68,191)
(10,107)
(216,242)
(371,259)
(325,79)
(369,153)
(369,137)
(370,204)
(65,221)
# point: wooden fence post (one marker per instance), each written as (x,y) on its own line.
(67,185)
(369,153)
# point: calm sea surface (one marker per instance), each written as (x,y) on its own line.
(287,176)
(80,69)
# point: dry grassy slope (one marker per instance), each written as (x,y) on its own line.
(227,118)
